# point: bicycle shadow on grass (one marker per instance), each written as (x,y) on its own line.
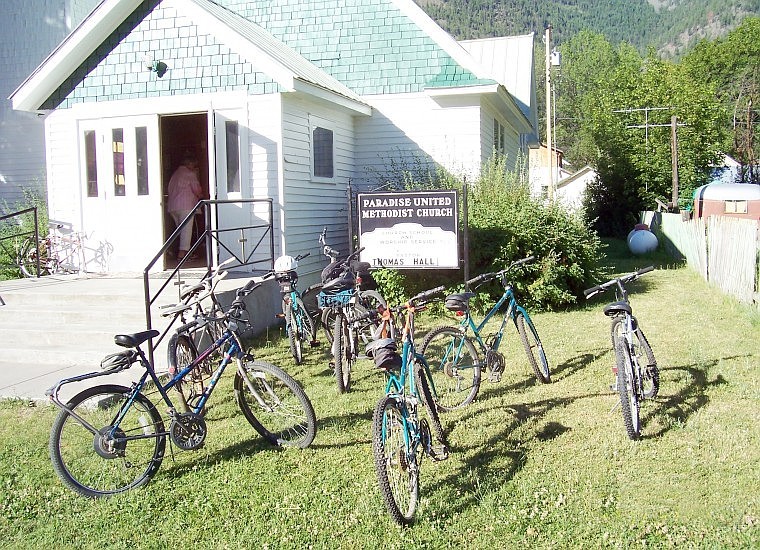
(575,364)
(489,464)
(673,409)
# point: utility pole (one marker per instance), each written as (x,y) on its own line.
(550,151)
(674,158)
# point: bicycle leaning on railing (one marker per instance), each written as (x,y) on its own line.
(111,438)
(57,252)
(456,367)
(400,437)
(636,374)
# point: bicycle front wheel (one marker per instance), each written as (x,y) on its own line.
(371,300)
(533,348)
(626,385)
(644,356)
(454,367)
(275,405)
(343,354)
(101,459)
(396,465)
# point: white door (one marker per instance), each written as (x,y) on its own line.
(121,195)
(232,220)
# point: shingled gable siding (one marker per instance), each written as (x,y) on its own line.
(197,63)
(368,45)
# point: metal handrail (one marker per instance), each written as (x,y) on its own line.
(27,233)
(209,236)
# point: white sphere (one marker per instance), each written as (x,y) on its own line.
(642,241)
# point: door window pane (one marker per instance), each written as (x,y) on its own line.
(323,152)
(117,142)
(91,163)
(141,145)
(233,156)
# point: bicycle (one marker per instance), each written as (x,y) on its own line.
(637,376)
(182,348)
(298,322)
(455,365)
(345,305)
(110,438)
(400,438)
(57,253)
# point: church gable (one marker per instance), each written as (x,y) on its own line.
(196,62)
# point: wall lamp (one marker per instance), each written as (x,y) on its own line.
(158,67)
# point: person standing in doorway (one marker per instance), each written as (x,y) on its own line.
(184,193)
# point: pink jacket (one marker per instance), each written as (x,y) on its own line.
(184,190)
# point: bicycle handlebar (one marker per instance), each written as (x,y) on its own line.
(589,292)
(483,277)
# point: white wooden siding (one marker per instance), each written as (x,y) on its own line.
(511,137)
(64,182)
(417,126)
(310,205)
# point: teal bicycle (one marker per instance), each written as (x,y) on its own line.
(400,438)
(455,365)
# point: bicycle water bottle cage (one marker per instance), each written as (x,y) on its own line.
(616,308)
(459,302)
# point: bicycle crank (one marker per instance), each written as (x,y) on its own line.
(188,431)
(495,364)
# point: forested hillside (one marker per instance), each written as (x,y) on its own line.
(670,26)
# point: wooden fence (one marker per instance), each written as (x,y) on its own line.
(723,250)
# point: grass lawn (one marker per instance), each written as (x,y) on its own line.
(531,465)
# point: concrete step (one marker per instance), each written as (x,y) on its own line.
(62,326)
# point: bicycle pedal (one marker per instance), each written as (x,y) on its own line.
(315,343)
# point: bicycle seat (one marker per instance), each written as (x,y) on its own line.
(459,301)
(191,290)
(615,308)
(134,340)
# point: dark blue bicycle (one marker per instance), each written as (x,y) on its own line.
(455,365)
(111,438)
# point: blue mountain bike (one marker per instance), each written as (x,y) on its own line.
(455,365)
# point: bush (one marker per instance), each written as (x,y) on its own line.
(506,224)
(14,231)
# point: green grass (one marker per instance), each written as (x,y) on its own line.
(531,465)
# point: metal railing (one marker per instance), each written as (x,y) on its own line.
(22,235)
(212,238)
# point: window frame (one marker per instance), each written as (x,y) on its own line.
(324,124)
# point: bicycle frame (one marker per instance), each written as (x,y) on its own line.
(468,323)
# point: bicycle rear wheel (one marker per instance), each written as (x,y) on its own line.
(454,367)
(371,300)
(533,348)
(294,338)
(343,355)
(626,385)
(96,465)
(395,462)
(27,258)
(650,373)
(180,352)
(275,405)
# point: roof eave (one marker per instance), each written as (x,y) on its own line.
(71,53)
(316,91)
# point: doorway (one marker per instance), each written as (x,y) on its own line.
(181,136)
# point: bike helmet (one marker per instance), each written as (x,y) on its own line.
(285,263)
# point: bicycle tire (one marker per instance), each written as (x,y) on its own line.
(370,301)
(533,347)
(650,373)
(396,468)
(424,391)
(449,352)
(626,385)
(343,358)
(27,259)
(294,339)
(180,352)
(286,418)
(82,460)
(327,321)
